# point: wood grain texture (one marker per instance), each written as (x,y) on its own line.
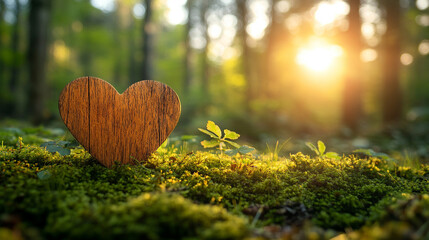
(119,127)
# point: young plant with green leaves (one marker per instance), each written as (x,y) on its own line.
(320,150)
(221,141)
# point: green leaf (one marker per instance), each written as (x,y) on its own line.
(230,134)
(49,143)
(245,149)
(211,126)
(44,174)
(59,149)
(208,133)
(236,145)
(332,155)
(322,147)
(231,152)
(210,143)
(312,147)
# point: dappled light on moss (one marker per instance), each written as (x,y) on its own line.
(199,195)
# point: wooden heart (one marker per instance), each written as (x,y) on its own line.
(119,127)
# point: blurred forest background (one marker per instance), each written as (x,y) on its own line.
(260,67)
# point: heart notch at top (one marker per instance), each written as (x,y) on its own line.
(115,127)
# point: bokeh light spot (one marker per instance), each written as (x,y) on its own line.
(422,4)
(139,10)
(424,47)
(368,55)
(407,59)
(104,5)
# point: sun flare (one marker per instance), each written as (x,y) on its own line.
(319,58)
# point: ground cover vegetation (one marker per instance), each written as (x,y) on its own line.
(51,188)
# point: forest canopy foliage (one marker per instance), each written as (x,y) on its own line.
(268,66)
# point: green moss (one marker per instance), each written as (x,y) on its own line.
(148,216)
(407,218)
(75,197)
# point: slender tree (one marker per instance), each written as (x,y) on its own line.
(122,25)
(352,93)
(272,41)
(2,63)
(242,13)
(132,75)
(39,21)
(14,75)
(188,51)
(85,56)
(148,30)
(392,97)
(205,77)
(117,28)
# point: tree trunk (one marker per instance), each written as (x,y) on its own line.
(39,19)
(14,75)
(270,66)
(132,76)
(352,92)
(148,29)
(188,51)
(2,63)
(392,97)
(15,102)
(118,43)
(205,63)
(245,55)
(85,56)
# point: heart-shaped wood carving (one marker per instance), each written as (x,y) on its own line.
(119,127)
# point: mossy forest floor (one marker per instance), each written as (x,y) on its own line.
(180,194)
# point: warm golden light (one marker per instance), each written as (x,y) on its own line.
(259,20)
(319,58)
(369,55)
(324,14)
(327,12)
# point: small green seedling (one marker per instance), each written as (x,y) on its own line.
(320,150)
(221,142)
